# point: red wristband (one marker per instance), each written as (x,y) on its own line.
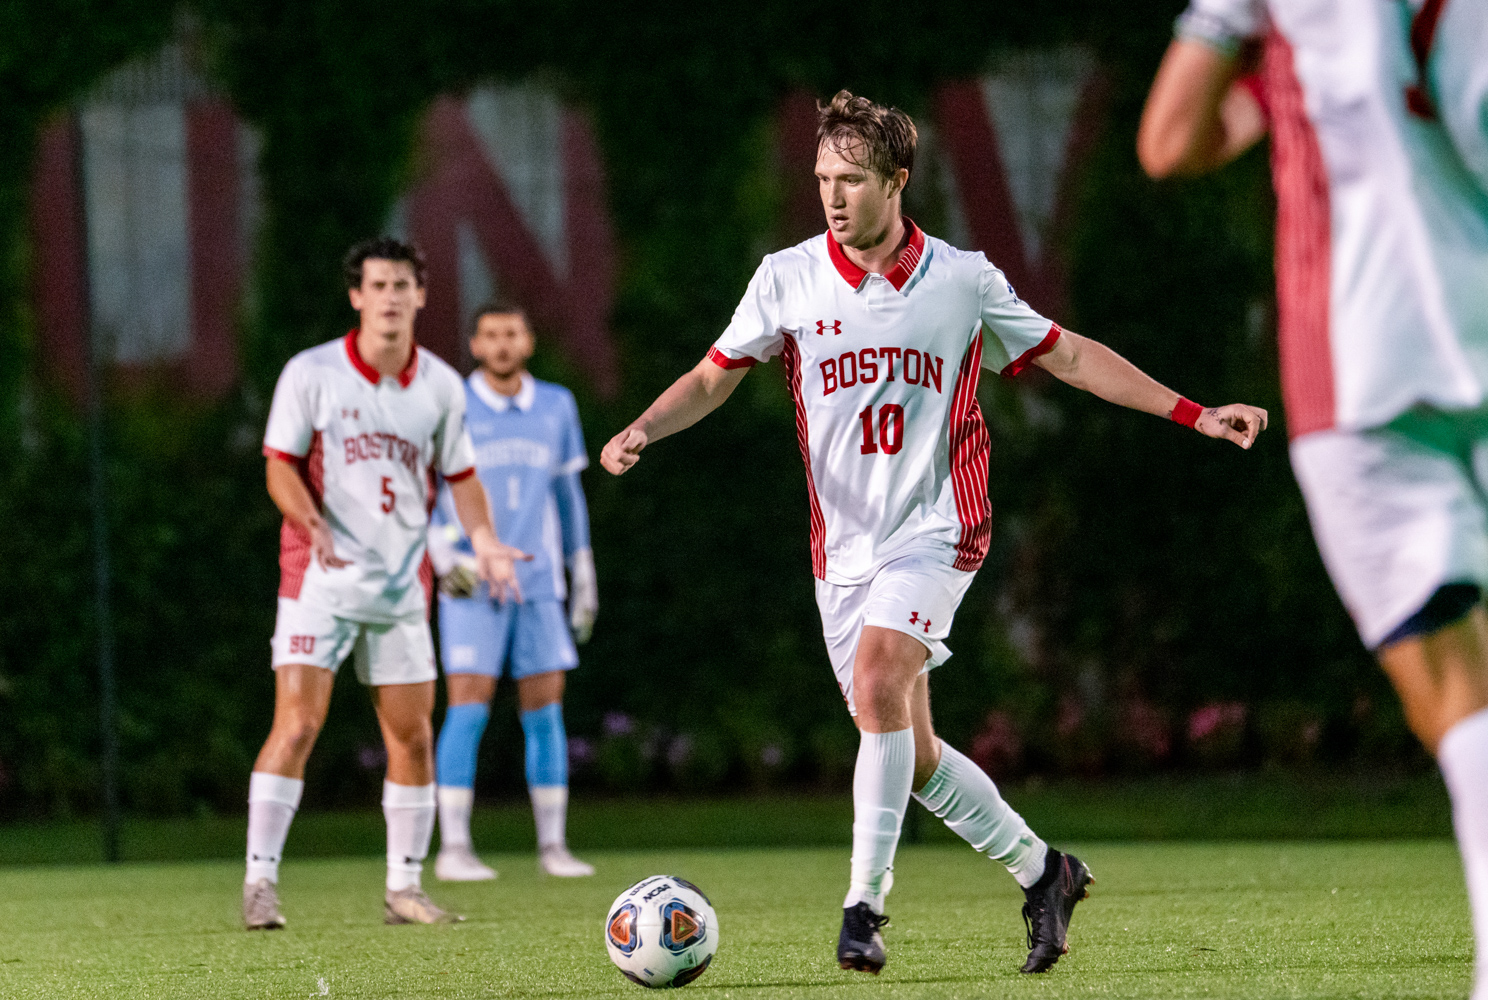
(1186,412)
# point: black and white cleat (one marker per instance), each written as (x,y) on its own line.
(1050,902)
(860,947)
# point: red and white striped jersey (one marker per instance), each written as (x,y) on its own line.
(368,447)
(1379,118)
(884,371)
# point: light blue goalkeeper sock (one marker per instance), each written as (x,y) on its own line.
(459,740)
(547,746)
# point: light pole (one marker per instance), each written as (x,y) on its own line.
(99,500)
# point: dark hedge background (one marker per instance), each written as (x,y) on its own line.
(1152,600)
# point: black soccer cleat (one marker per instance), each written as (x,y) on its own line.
(861,947)
(1051,901)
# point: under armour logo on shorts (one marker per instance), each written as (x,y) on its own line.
(914,619)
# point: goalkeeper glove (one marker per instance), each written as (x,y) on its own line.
(583,595)
(455,570)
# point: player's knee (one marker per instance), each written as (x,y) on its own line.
(416,741)
(881,693)
(298,730)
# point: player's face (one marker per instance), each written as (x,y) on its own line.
(389,299)
(502,343)
(860,205)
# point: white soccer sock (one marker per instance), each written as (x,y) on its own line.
(1463,756)
(455,805)
(272,801)
(881,783)
(960,793)
(549,812)
(409,811)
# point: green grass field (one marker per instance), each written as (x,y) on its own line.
(1256,885)
(1256,919)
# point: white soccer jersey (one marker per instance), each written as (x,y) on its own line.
(368,447)
(884,371)
(1382,230)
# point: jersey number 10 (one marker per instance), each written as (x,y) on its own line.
(890,429)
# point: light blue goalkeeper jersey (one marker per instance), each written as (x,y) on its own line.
(529,451)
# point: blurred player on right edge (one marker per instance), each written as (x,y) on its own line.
(1378,113)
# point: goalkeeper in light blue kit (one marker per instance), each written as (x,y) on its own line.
(529,451)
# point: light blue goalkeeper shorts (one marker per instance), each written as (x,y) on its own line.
(478,636)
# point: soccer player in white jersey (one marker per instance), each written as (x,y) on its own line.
(357,431)
(1378,114)
(529,451)
(884,331)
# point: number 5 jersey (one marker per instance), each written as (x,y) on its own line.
(368,447)
(884,370)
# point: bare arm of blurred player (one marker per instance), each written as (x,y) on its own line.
(1092,366)
(292,497)
(1197,118)
(691,398)
(495,562)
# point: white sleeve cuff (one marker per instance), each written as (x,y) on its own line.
(1221,24)
(444,553)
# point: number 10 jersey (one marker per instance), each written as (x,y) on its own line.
(884,370)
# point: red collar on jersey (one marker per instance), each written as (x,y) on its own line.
(897,275)
(372,374)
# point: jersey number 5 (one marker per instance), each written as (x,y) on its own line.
(389,498)
(890,429)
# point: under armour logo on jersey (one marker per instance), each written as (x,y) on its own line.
(914,619)
(822,326)
(355,414)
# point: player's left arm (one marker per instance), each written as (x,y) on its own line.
(583,585)
(1199,115)
(1205,107)
(1092,366)
(495,562)
(573,523)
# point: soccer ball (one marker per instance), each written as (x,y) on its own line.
(661,932)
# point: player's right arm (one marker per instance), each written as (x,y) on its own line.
(287,439)
(752,336)
(691,398)
(292,497)
(1199,116)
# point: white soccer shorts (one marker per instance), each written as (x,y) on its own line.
(397,653)
(1398,511)
(916,595)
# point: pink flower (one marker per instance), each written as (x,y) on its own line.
(1214,717)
